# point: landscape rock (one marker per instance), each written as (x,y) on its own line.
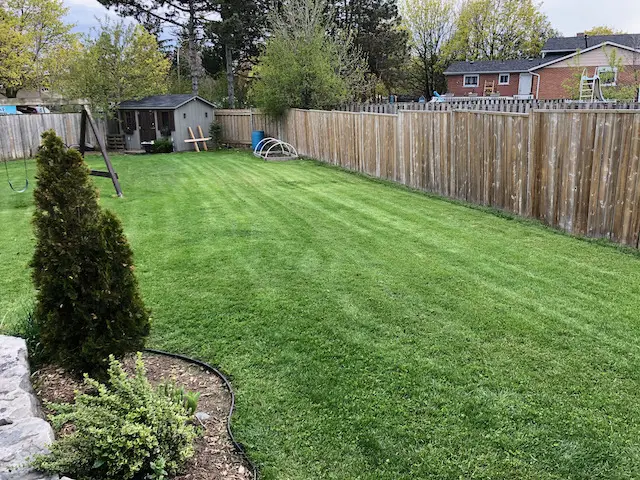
(23,430)
(202,416)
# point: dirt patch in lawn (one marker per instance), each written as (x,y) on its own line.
(215,456)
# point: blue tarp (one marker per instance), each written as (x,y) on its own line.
(8,110)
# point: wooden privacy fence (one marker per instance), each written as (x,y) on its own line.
(237,125)
(577,170)
(20,134)
(488,104)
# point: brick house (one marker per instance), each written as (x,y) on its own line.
(545,77)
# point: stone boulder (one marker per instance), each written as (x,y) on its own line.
(23,430)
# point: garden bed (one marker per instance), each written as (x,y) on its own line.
(215,457)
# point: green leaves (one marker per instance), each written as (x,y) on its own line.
(430,25)
(124,430)
(88,303)
(189,400)
(36,45)
(303,67)
(499,30)
(123,62)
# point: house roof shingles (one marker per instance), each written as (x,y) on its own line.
(497,66)
(572,44)
(168,102)
(554,49)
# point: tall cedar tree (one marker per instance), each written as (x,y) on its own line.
(235,39)
(375,28)
(88,303)
(190,16)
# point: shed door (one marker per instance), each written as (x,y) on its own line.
(147,125)
(524,86)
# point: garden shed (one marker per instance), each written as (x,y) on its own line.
(169,116)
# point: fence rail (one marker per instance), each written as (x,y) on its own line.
(20,134)
(574,169)
(488,104)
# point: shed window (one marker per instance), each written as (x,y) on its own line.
(129,122)
(471,80)
(166,121)
(503,79)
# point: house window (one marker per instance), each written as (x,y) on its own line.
(471,80)
(166,122)
(129,122)
(608,76)
(503,79)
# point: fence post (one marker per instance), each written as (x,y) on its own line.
(361,146)
(531,170)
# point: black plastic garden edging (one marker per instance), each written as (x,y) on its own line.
(227,384)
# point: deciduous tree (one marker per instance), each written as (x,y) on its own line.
(302,66)
(602,30)
(189,16)
(430,25)
(36,45)
(122,62)
(235,39)
(500,30)
(13,50)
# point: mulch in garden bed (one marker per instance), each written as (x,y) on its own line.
(215,456)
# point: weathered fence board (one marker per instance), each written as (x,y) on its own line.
(487,104)
(588,182)
(574,169)
(20,134)
(237,125)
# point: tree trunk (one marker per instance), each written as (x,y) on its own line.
(12,92)
(230,77)
(195,63)
(195,60)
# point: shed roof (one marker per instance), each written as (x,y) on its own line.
(496,66)
(571,44)
(162,102)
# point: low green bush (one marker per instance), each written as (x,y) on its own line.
(164,145)
(124,429)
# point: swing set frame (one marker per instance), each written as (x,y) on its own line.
(110,173)
(86,118)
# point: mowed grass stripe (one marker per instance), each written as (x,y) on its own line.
(373,332)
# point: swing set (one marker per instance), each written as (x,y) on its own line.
(86,118)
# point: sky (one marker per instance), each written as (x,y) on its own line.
(84,12)
(568,16)
(573,16)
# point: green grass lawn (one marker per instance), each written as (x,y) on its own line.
(372,332)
